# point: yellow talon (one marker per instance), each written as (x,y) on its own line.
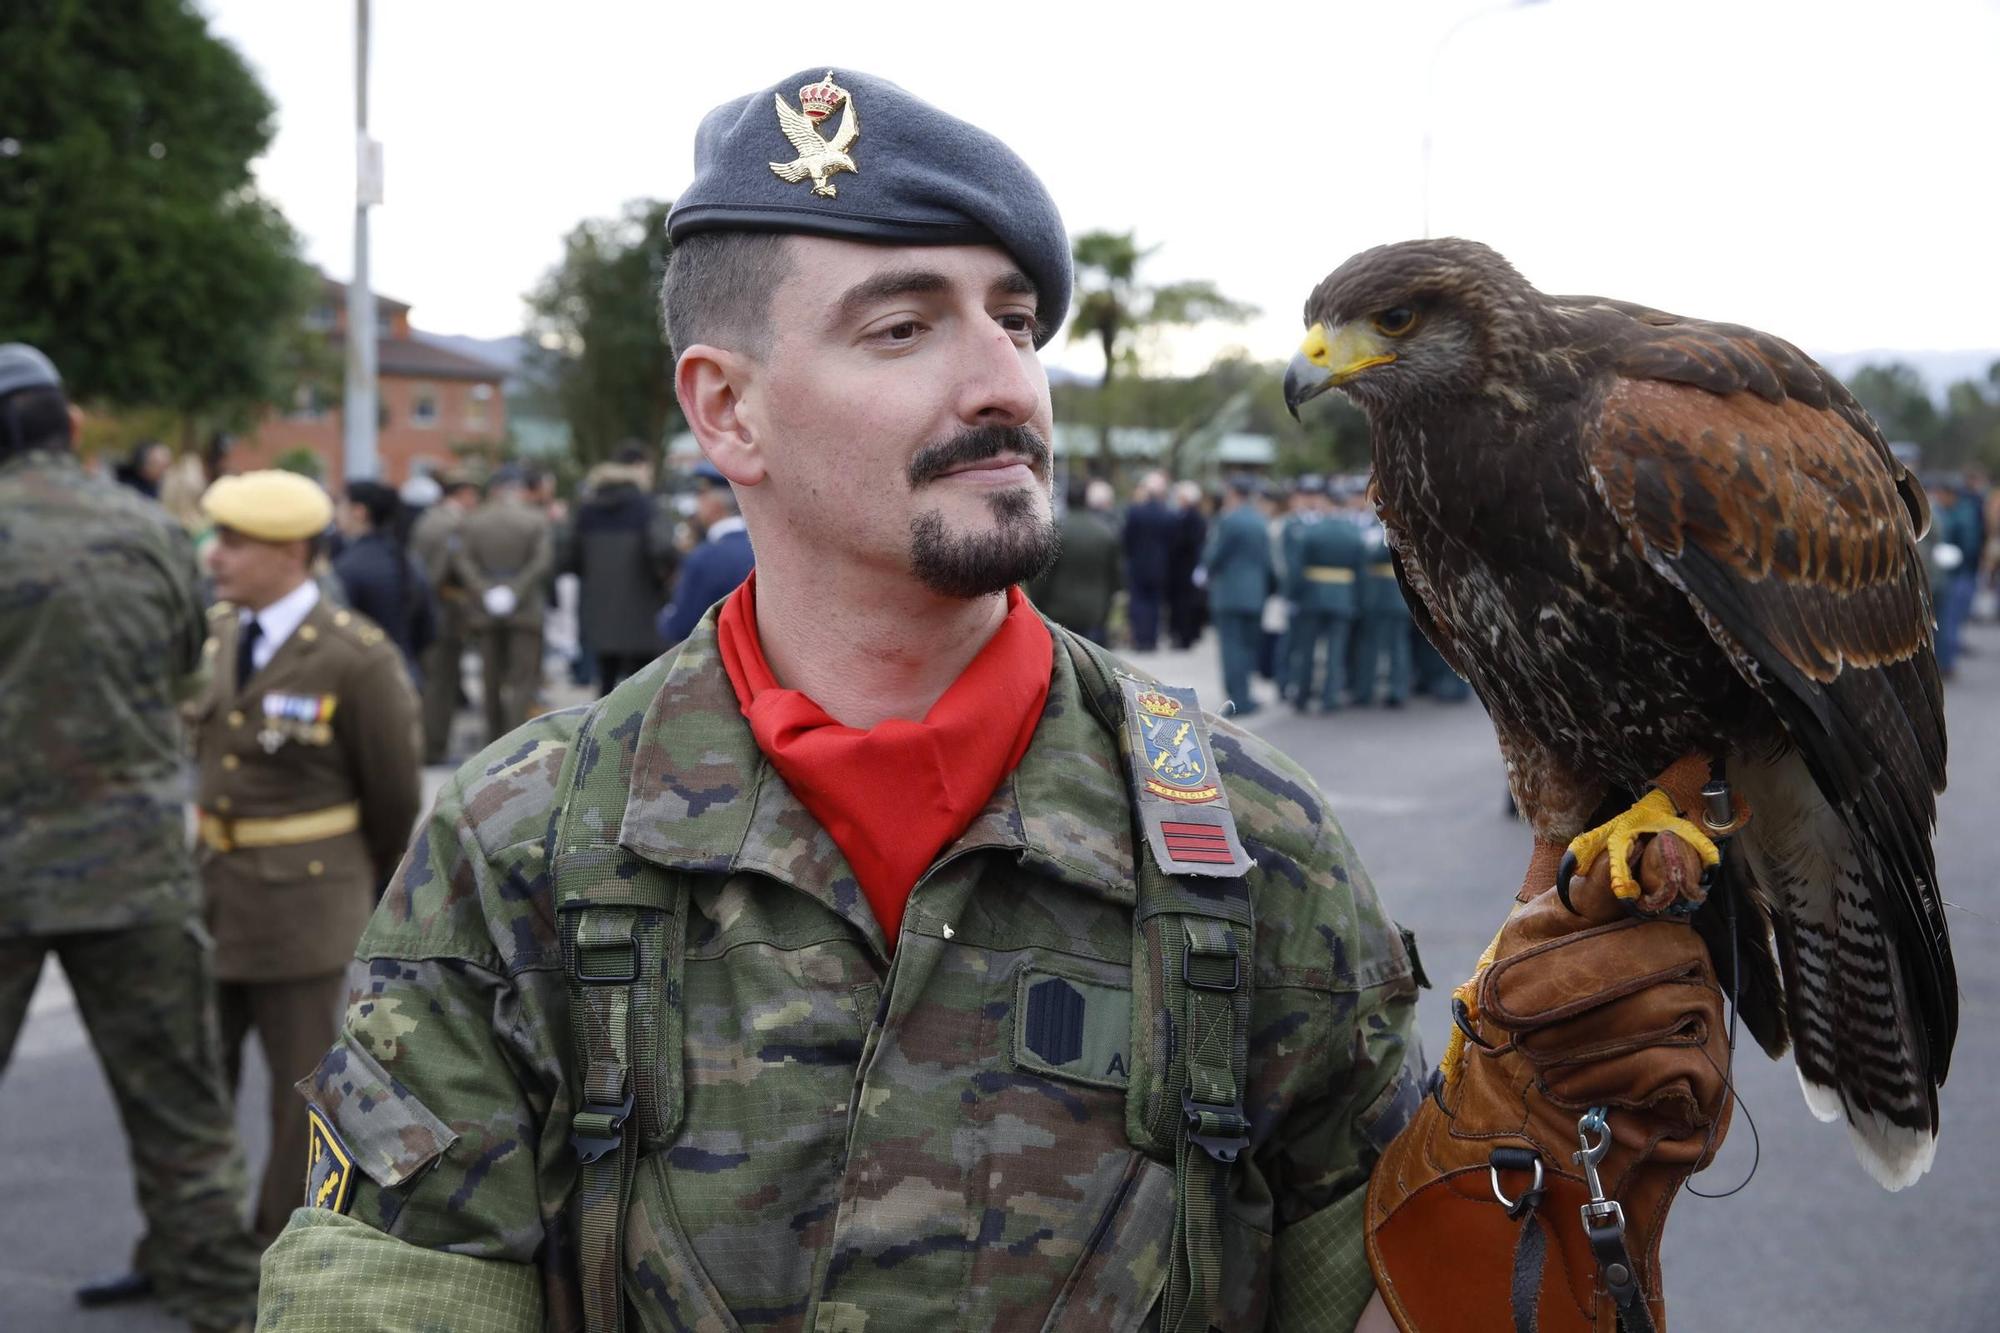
(1653,814)
(1468,993)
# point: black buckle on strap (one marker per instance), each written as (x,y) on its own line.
(1223,1132)
(1200,983)
(599,1128)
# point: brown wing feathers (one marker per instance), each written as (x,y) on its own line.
(1772,509)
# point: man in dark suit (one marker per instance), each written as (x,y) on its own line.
(1150,529)
(711,570)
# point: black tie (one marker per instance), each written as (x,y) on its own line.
(246,643)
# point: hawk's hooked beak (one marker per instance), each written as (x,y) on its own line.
(1324,363)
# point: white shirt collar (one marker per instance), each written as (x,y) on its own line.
(277,621)
(725,525)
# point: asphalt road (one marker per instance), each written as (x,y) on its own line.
(1810,1244)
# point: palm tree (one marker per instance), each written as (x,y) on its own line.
(1113,306)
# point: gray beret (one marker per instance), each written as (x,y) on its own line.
(23,367)
(895,169)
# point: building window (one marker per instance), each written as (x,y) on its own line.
(309,403)
(424,406)
(475,406)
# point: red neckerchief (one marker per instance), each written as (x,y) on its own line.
(894,796)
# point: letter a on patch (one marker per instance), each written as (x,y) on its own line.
(329,1165)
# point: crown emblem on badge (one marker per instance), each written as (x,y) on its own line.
(822,99)
(819,159)
(1160,705)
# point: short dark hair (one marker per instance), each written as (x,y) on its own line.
(381,503)
(718,290)
(36,418)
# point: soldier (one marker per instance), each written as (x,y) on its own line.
(884,957)
(308,750)
(1237,564)
(432,542)
(1384,650)
(504,557)
(100,636)
(1077,590)
(1329,555)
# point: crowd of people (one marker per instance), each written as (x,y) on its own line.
(1295,577)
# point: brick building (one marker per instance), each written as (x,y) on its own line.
(435,404)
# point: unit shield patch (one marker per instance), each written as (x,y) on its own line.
(329,1165)
(1176,785)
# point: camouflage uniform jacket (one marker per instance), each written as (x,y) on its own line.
(100,630)
(896,1146)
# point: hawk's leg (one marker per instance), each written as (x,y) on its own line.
(1658,811)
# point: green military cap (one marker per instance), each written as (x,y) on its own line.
(271,506)
(895,170)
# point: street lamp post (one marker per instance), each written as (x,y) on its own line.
(358,455)
(1430,86)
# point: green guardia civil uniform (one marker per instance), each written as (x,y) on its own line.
(934,1140)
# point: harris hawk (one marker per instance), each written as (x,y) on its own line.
(1642,537)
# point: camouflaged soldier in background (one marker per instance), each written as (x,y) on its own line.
(100,633)
(863,1145)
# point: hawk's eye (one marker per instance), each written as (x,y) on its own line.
(1396,320)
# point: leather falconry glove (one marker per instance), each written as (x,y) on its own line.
(1480,1215)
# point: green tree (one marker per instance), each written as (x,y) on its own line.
(595,319)
(1113,309)
(134,248)
(1969,430)
(1899,400)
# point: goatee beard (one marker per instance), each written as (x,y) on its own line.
(1021,545)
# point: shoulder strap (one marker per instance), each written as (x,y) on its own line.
(1193,944)
(623,924)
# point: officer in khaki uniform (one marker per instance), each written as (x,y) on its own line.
(306,741)
(503,558)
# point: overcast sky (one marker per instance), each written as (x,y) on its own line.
(1824,170)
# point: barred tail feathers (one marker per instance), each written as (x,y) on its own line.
(1860,1053)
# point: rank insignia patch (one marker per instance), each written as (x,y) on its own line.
(329,1165)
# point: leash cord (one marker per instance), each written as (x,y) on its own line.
(1728,1085)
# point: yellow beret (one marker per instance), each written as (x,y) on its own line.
(271,506)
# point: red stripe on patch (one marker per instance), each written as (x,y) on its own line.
(1196,843)
(1205,855)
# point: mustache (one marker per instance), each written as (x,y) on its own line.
(976,445)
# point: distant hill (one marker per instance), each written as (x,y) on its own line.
(1940,370)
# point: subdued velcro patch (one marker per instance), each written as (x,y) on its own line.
(389,1133)
(329,1165)
(1073,1029)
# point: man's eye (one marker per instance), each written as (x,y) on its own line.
(901,333)
(1018,323)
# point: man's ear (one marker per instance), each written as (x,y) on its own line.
(710,383)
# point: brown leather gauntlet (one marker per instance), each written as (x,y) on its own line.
(1584,1009)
